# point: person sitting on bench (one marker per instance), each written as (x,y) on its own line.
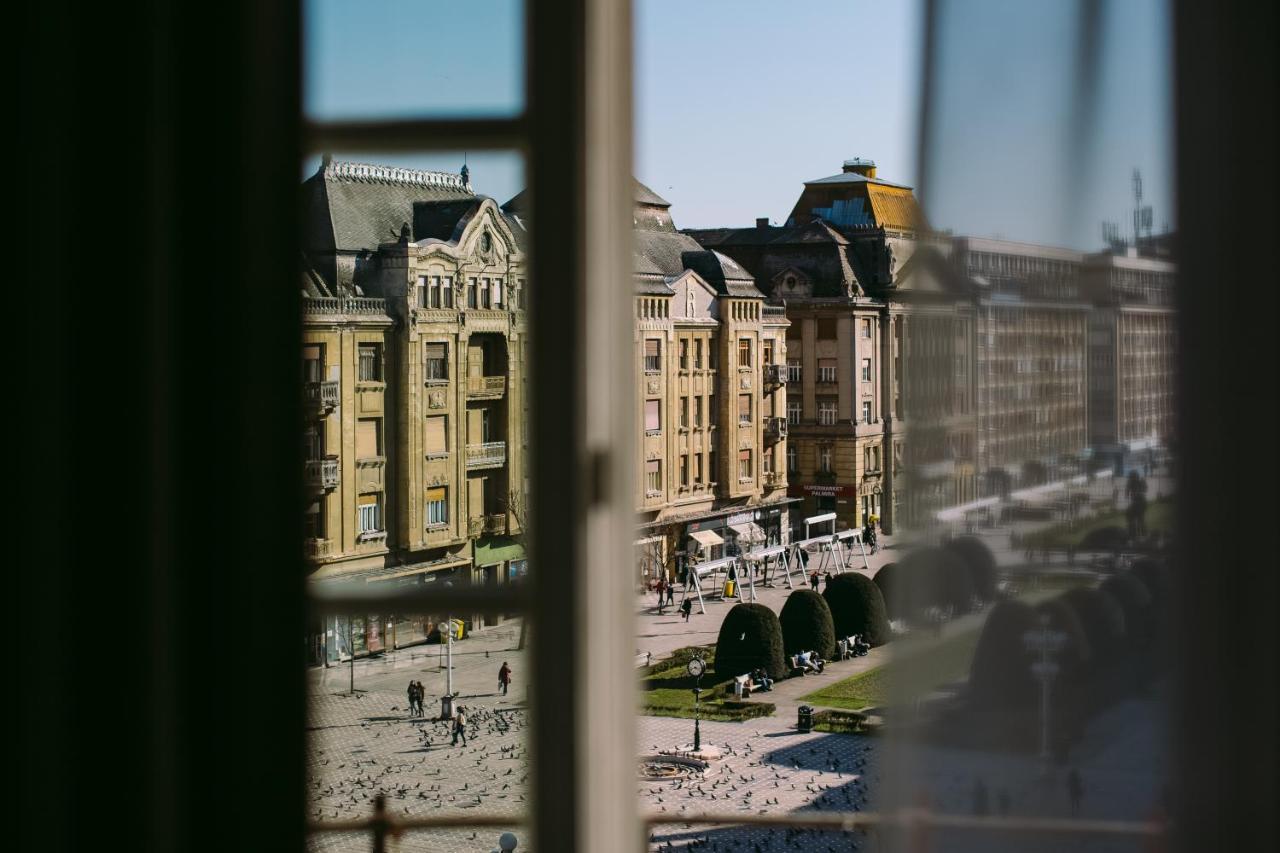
(761,679)
(809,662)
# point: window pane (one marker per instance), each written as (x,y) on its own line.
(397,58)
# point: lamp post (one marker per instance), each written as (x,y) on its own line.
(1044,642)
(697,667)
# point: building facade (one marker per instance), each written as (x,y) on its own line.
(711,384)
(413,327)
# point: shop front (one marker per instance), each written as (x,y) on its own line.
(817,498)
(492,566)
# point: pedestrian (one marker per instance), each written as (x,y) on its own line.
(662,588)
(686,607)
(671,594)
(460,726)
(826,579)
(504,678)
(1075,791)
(813,580)
(413,699)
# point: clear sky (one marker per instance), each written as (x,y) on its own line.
(738,102)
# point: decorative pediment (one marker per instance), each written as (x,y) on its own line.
(792,282)
(694,299)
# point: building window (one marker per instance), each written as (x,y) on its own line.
(652,355)
(793,371)
(369,438)
(486,294)
(684,412)
(744,465)
(313,441)
(684,353)
(697,412)
(437,436)
(653,416)
(826,370)
(827,412)
(497,293)
(713,413)
(370,366)
(793,459)
(866,329)
(866,411)
(437,507)
(711,466)
(313,363)
(766,352)
(437,366)
(473,299)
(744,352)
(744,409)
(697,468)
(684,470)
(766,462)
(866,370)
(370,507)
(446,292)
(697,354)
(653,477)
(793,412)
(871,458)
(313,520)
(824,458)
(713,356)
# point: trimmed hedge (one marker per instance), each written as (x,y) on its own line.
(1102,618)
(807,625)
(857,607)
(750,637)
(887,581)
(1000,675)
(980,562)
(1135,600)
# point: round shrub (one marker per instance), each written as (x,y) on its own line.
(857,607)
(952,579)
(806,624)
(980,562)
(1154,575)
(1000,675)
(1110,538)
(886,580)
(750,637)
(1135,600)
(1102,619)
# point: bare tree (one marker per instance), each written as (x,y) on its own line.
(518,508)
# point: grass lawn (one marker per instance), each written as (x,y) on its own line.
(667,691)
(1066,535)
(916,667)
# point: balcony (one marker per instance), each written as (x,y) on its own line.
(775,429)
(315,549)
(486,387)
(773,479)
(321,474)
(775,375)
(488,525)
(320,398)
(490,454)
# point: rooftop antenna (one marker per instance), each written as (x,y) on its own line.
(1141,214)
(466,173)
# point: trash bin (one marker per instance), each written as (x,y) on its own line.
(804,718)
(446,707)
(728,588)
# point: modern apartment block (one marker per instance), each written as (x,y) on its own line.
(1132,352)
(711,383)
(413,328)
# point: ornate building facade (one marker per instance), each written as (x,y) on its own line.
(413,327)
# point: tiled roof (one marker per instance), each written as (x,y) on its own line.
(854,178)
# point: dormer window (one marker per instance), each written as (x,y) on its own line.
(486,242)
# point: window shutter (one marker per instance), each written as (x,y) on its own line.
(366,438)
(435,438)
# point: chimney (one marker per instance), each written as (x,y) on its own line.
(860,166)
(762,222)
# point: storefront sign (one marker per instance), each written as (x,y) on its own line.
(822,490)
(741,518)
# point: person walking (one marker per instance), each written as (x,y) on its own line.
(504,678)
(413,699)
(686,607)
(1075,791)
(826,579)
(460,726)
(671,594)
(662,589)
(813,580)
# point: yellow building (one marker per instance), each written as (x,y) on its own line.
(414,330)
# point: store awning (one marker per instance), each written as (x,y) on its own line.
(748,531)
(332,575)
(707,538)
(497,549)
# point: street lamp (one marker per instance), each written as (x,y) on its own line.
(1044,642)
(697,667)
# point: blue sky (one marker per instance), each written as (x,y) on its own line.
(738,102)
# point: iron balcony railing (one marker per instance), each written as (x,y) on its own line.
(775,429)
(775,375)
(490,454)
(488,525)
(322,473)
(315,549)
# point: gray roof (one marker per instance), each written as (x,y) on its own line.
(854,178)
(365,204)
(644,195)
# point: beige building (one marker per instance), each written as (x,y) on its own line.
(711,384)
(413,334)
